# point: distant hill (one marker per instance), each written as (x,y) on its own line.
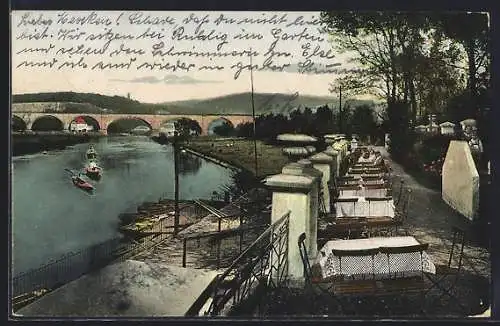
(118,104)
(240,103)
(264,102)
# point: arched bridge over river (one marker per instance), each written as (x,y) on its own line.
(102,121)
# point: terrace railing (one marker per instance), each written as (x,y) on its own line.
(261,266)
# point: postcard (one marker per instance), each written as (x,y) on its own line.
(250,164)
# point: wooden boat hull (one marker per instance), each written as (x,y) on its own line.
(82,185)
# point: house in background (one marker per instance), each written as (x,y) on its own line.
(79,125)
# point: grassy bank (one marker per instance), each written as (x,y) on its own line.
(270,160)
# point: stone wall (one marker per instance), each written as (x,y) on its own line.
(460,180)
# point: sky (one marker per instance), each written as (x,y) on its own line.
(164,85)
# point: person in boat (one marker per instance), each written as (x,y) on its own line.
(91,150)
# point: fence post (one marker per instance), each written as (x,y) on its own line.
(218,252)
(184,252)
(241,233)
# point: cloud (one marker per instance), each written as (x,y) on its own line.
(168,79)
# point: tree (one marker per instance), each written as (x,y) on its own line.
(471,30)
(324,121)
(362,121)
(186,127)
(390,48)
(225,129)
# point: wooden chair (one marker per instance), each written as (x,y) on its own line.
(450,273)
(401,213)
(400,193)
(314,288)
(399,283)
(354,290)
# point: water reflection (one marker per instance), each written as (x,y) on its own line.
(51,217)
(189,164)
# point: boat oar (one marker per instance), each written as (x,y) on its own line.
(70,171)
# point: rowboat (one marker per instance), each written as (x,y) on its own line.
(91,153)
(93,171)
(82,184)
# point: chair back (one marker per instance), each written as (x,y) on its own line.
(401,187)
(356,262)
(404,260)
(403,206)
(304,257)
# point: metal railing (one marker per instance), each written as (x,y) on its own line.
(263,265)
(217,239)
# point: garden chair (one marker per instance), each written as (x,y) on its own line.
(316,291)
(356,284)
(405,273)
(401,213)
(451,271)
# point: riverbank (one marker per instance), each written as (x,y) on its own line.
(239,152)
(23,143)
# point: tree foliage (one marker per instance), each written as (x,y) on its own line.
(224,129)
(412,57)
(419,63)
(317,122)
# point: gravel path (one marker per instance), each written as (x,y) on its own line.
(431,220)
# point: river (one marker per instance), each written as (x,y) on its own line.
(51,217)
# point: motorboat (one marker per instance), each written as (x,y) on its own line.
(91,153)
(82,184)
(93,171)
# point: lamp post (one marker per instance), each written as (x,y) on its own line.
(253,118)
(340,109)
(176,182)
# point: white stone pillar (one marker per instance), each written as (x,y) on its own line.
(324,163)
(292,193)
(336,161)
(305,167)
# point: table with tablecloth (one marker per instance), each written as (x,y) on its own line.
(361,191)
(358,267)
(363,207)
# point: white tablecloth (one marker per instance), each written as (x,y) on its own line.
(362,207)
(369,159)
(362,174)
(408,264)
(347,193)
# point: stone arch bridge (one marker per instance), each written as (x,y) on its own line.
(153,120)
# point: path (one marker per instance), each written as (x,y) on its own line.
(430,220)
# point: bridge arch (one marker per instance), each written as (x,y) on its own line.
(84,120)
(127,125)
(47,123)
(18,123)
(183,125)
(220,126)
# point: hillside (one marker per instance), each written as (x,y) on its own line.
(264,102)
(240,103)
(118,104)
